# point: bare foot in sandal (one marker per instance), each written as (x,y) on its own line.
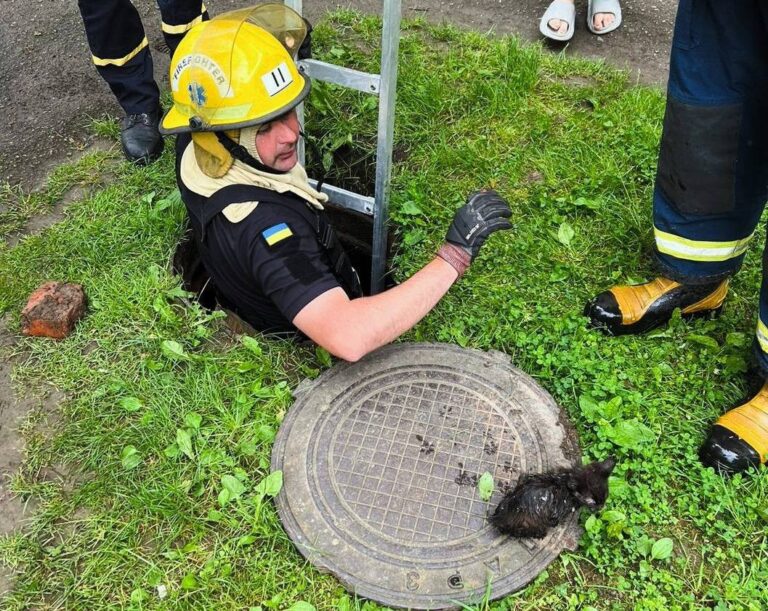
(560,26)
(600,21)
(557,22)
(603,16)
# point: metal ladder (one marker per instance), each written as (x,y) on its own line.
(383,85)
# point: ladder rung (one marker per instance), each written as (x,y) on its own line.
(339,75)
(346,199)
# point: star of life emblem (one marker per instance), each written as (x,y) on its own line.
(197,94)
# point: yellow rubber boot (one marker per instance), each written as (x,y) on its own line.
(739,438)
(641,307)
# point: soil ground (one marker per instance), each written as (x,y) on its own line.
(51,90)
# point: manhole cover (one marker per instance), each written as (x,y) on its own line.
(381,460)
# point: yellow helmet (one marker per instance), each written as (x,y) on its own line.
(237,70)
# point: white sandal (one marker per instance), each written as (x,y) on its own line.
(603,6)
(565,11)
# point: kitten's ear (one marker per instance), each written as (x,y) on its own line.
(607,466)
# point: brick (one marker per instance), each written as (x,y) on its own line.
(53,309)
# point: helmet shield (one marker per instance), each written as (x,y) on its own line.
(237,70)
(285,24)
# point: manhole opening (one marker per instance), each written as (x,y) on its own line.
(355,231)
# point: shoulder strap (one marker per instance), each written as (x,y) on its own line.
(233,194)
(340,262)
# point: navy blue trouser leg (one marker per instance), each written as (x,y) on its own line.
(120,52)
(178,17)
(712,178)
(120,48)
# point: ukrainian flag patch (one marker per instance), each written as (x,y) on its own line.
(276,233)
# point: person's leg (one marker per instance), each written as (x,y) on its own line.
(603,16)
(600,21)
(713,180)
(713,163)
(560,26)
(120,52)
(739,438)
(713,166)
(178,17)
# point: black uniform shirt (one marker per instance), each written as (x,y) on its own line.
(268,266)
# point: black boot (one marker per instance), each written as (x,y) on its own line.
(639,308)
(141,141)
(739,438)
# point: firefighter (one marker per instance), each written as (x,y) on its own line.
(120,52)
(263,237)
(711,188)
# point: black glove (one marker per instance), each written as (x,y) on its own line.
(305,50)
(484,213)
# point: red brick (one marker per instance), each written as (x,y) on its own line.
(53,309)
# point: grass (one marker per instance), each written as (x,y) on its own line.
(167,423)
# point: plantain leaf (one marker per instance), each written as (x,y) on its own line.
(184,441)
(271,485)
(662,549)
(131,404)
(565,234)
(252,344)
(174,350)
(485,486)
(704,340)
(130,457)
(193,420)
(233,485)
(631,434)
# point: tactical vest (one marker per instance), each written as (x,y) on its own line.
(202,211)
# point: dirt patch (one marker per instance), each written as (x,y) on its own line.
(40,222)
(12,412)
(45,62)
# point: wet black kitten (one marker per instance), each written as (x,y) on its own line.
(541,501)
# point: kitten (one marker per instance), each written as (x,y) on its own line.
(541,501)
